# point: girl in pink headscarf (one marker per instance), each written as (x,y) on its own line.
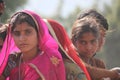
(38,57)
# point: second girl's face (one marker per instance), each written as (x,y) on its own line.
(25,37)
(87,44)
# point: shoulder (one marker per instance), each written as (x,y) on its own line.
(53,52)
(54,56)
(71,66)
(12,62)
(73,71)
(99,63)
(98,60)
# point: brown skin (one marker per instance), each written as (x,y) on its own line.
(25,37)
(98,73)
(87,45)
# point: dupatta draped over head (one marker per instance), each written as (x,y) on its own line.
(60,35)
(49,64)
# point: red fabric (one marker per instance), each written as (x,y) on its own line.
(67,45)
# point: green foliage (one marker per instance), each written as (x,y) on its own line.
(69,21)
(113,39)
(10,7)
(110,52)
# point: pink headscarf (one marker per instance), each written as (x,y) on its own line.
(8,47)
(45,38)
(46,42)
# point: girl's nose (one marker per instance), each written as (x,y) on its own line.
(22,38)
(89,46)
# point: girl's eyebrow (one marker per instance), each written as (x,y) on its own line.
(15,31)
(24,30)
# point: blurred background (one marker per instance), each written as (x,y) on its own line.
(66,11)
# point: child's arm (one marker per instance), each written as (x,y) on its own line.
(99,73)
(117,69)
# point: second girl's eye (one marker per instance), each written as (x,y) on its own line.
(82,42)
(16,33)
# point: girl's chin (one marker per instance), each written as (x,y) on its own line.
(90,55)
(23,50)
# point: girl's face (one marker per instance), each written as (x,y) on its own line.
(87,44)
(25,37)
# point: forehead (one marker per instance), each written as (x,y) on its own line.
(88,36)
(22,26)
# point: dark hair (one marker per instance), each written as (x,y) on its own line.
(96,15)
(1,1)
(3,35)
(2,7)
(3,31)
(21,18)
(82,26)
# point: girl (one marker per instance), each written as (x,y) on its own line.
(38,58)
(75,68)
(98,18)
(85,37)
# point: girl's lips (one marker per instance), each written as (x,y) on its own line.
(22,45)
(89,53)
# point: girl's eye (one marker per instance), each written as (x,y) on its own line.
(93,41)
(16,33)
(83,42)
(28,32)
